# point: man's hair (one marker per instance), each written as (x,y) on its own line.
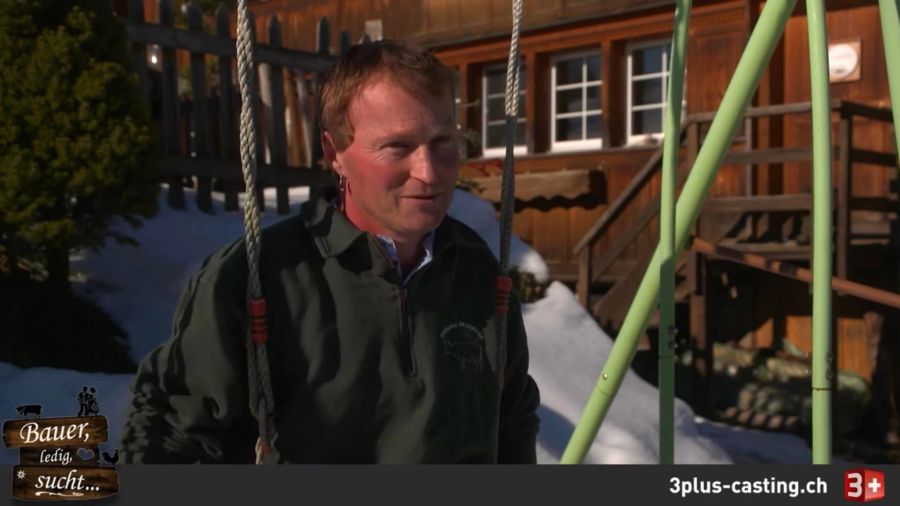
(413,68)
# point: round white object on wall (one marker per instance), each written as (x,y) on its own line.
(843,61)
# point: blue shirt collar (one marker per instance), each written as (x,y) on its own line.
(390,247)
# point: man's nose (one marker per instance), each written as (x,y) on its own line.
(423,165)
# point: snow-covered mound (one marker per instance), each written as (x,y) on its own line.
(567,353)
(479,215)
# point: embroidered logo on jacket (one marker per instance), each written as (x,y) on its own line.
(465,343)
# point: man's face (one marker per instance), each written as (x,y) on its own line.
(402,165)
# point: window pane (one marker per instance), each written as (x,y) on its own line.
(496,132)
(646,122)
(569,71)
(594,126)
(494,136)
(520,133)
(521,114)
(647,60)
(593,98)
(593,68)
(496,81)
(647,92)
(568,101)
(496,77)
(496,109)
(568,129)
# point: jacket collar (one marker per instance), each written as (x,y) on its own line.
(330,230)
(333,233)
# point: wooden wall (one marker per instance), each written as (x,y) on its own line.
(860,23)
(440,22)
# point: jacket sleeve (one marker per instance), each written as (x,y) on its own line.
(518,406)
(190,396)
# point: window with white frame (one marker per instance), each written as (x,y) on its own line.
(493,116)
(648,80)
(577,120)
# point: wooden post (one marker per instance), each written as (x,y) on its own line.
(693,143)
(323,43)
(278,141)
(169,89)
(199,116)
(227,116)
(307,120)
(258,113)
(842,248)
(701,344)
(880,364)
(346,42)
(701,347)
(138,50)
(584,277)
(845,194)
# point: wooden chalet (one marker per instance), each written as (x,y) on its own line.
(594,79)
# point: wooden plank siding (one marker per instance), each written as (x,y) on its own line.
(860,23)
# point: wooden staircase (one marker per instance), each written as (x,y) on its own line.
(772,226)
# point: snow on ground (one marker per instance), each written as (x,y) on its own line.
(568,349)
(140,287)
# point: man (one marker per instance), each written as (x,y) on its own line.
(382,309)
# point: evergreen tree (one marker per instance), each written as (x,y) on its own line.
(75,135)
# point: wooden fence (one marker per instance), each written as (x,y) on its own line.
(200,130)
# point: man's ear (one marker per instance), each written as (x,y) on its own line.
(330,153)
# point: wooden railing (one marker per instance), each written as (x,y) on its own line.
(591,268)
(202,146)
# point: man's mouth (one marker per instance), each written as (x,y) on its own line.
(423,197)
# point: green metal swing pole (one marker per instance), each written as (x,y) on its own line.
(759,49)
(822,356)
(890,32)
(672,130)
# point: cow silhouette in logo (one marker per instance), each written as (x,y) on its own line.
(29,409)
(465,343)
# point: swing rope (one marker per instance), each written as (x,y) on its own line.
(260,383)
(507,199)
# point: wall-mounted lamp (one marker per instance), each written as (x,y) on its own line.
(154,57)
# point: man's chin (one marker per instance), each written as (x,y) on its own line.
(421,223)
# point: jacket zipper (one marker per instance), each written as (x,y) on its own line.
(407,335)
(405,327)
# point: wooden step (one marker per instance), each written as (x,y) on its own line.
(784,250)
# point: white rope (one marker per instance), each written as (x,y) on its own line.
(260,383)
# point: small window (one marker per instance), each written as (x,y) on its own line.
(577,120)
(493,117)
(648,80)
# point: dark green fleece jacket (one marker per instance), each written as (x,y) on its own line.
(364,368)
